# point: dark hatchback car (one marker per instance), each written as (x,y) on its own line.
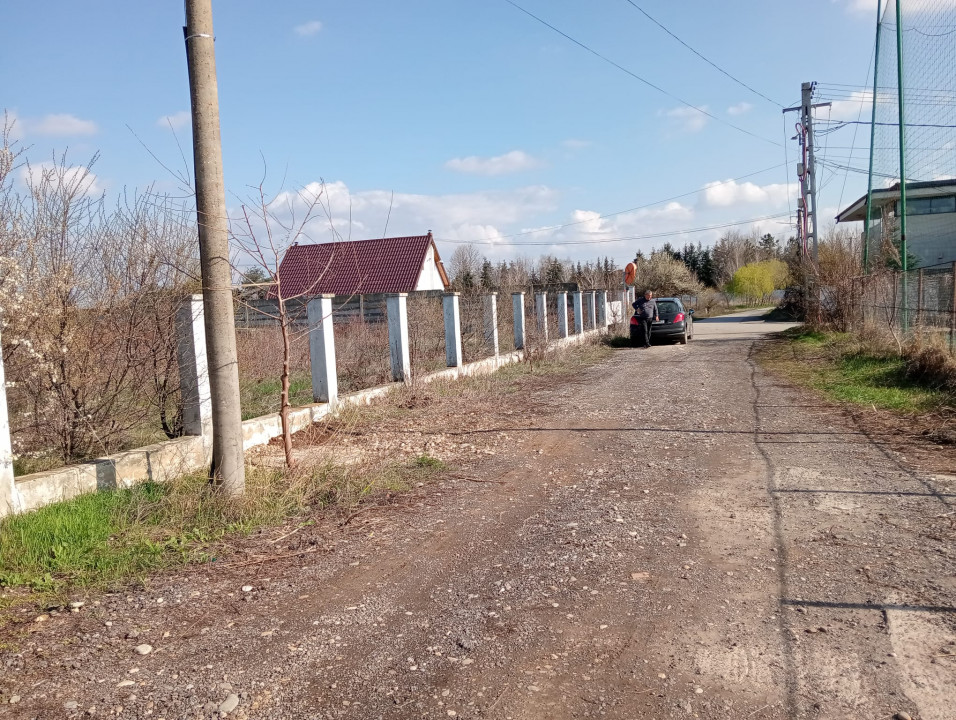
(676,322)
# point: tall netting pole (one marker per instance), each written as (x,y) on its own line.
(904,310)
(869,179)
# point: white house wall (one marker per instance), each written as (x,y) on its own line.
(429,278)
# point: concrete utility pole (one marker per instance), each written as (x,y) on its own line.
(807,172)
(228,461)
(806,112)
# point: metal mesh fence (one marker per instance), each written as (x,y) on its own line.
(918,302)
(915,87)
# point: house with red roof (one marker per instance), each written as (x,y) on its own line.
(362,267)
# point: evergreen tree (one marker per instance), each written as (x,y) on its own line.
(487,275)
(769,247)
(707,270)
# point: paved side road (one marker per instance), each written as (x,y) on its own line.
(696,540)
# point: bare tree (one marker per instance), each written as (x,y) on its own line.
(267,229)
(465,265)
(87,297)
(732,252)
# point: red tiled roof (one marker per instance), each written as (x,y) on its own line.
(386,265)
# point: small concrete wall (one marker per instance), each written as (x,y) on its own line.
(167,460)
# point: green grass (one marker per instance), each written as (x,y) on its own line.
(847,371)
(104,537)
(112,538)
(428,462)
(879,382)
(262,398)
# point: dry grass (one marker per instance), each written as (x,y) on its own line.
(863,370)
(929,362)
(112,539)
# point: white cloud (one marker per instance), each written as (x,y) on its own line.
(76,178)
(176,121)
(860,6)
(62,124)
(505,224)
(476,216)
(307,29)
(511,162)
(740,108)
(724,194)
(614,236)
(687,119)
(857,105)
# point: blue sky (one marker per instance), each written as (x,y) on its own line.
(467,118)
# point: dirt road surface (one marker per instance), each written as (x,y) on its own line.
(670,534)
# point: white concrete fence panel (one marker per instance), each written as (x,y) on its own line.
(194,369)
(452,313)
(10,500)
(517,304)
(562,314)
(541,313)
(325,381)
(578,300)
(491,323)
(167,460)
(397,312)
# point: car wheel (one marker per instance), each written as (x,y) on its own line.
(633,336)
(683,337)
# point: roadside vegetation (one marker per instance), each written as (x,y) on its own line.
(848,369)
(852,349)
(111,539)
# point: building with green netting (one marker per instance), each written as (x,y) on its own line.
(930,222)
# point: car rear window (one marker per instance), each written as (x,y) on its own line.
(667,307)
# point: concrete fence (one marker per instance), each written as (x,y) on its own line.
(167,460)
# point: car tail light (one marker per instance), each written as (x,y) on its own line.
(679,317)
(634,320)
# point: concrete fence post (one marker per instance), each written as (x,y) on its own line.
(452,315)
(325,383)
(577,298)
(625,305)
(590,318)
(491,323)
(194,370)
(10,501)
(602,309)
(517,302)
(562,314)
(396,310)
(541,313)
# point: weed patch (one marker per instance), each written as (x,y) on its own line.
(847,369)
(109,539)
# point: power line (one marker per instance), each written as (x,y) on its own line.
(865,171)
(638,77)
(623,238)
(705,59)
(840,124)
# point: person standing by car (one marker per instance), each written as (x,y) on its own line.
(645,309)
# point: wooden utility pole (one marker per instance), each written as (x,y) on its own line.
(228,462)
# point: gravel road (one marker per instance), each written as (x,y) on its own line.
(671,534)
